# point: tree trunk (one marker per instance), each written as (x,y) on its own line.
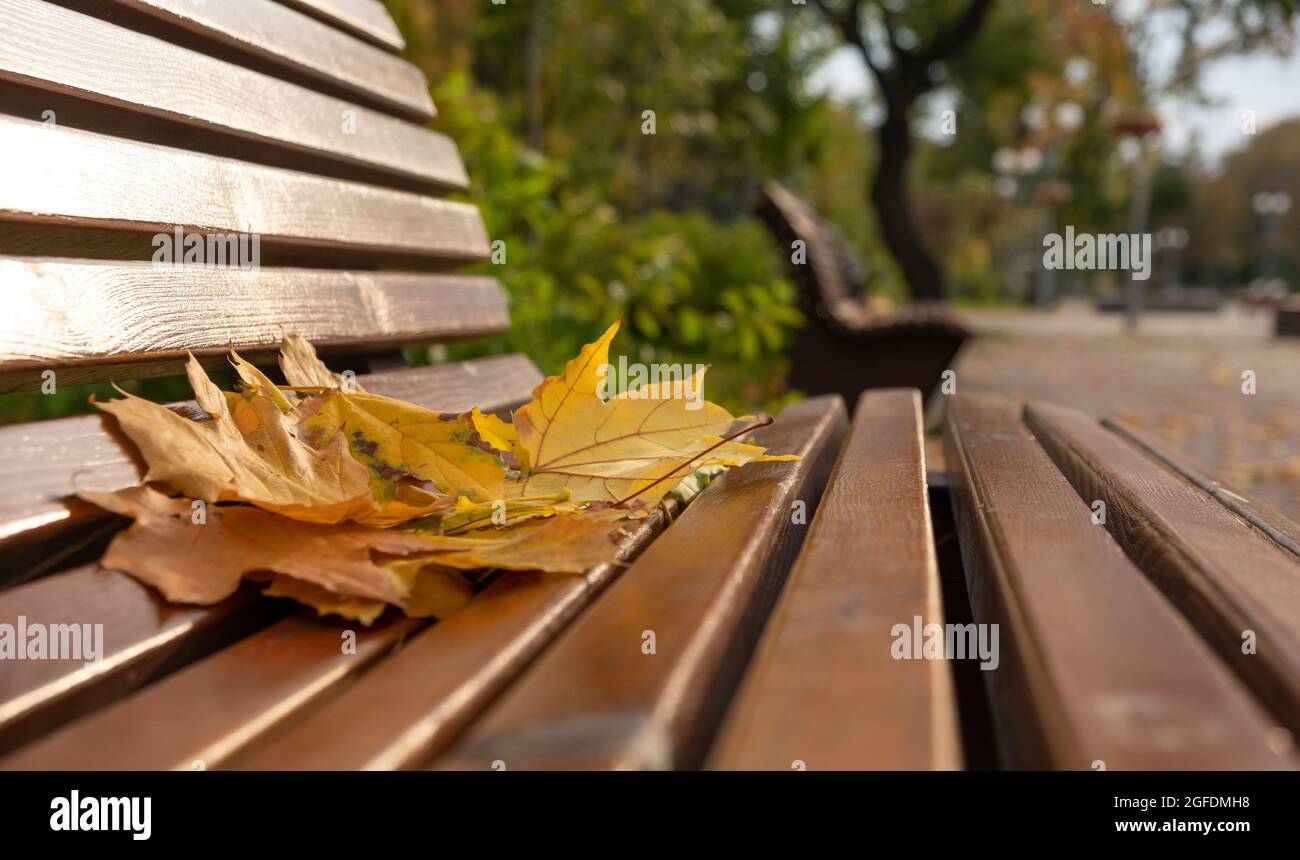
(894,212)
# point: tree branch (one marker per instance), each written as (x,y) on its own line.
(951,39)
(849,23)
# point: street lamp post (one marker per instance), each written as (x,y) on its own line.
(1135,129)
(1270,206)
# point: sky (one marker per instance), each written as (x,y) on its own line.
(1264,83)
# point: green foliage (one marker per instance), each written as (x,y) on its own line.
(690,288)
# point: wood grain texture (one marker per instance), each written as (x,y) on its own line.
(595,700)
(1282,531)
(1095,665)
(60,50)
(84,313)
(824,687)
(43,463)
(144,638)
(365,18)
(56,175)
(1226,577)
(200,716)
(410,707)
(288,39)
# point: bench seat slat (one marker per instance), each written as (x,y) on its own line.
(60,50)
(365,18)
(1095,665)
(43,463)
(412,705)
(289,39)
(198,717)
(824,688)
(74,178)
(143,639)
(87,313)
(1282,531)
(1226,577)
(595,700)
(140,629)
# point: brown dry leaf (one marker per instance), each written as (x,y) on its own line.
(303,369)
(638,445)
(258,459)
(434,592)
(204,562)
(325,602)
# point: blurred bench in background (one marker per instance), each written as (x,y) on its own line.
(846,348)
(1288,317)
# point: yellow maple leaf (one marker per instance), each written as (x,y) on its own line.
(500,435)
(395,439)
(637,445)
(468,515)
(568,544)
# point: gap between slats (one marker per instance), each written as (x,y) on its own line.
(274,39)
(140,82)
(365,18)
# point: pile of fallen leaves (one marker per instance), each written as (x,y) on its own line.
(350,501)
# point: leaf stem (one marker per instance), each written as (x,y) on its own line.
(724,440)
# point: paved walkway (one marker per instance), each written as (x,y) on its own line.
(1180,378)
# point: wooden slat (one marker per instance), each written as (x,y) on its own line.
(143,639)
(412,705)
(824,688)
(1095,666)
(195,719)
(365,18)
(1282,531)
(704,588)
(58,49)
(70,177)
(85,313)
(144,636)
(287,40)
(1227,577)
(835,273)
(42,463)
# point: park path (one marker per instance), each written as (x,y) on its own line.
(1180,378)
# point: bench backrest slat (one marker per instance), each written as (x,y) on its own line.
(73,177)
(98,316)
(366,19)
(296,45)
(60,50)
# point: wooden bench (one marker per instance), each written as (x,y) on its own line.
(755,628)
(846,347)
(1287,322)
